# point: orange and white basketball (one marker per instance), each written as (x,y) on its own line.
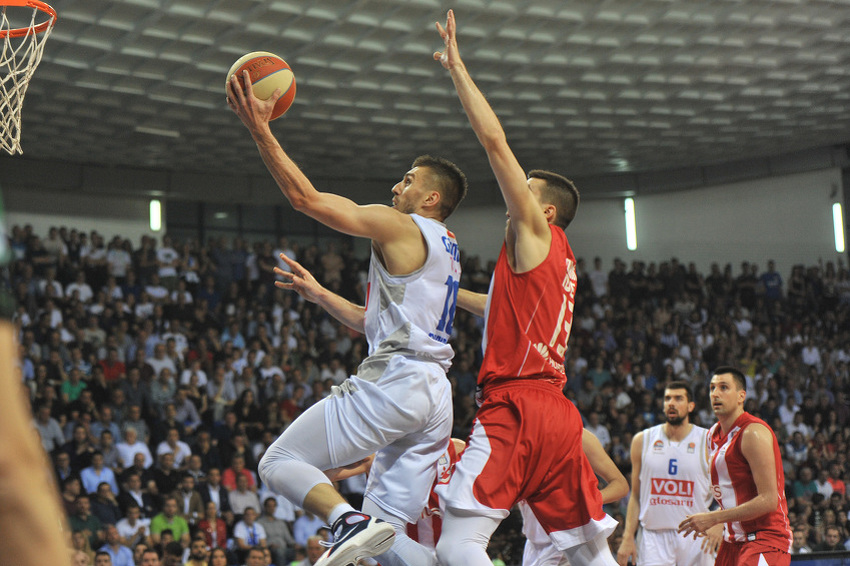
(268,73)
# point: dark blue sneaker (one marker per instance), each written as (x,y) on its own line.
(357,536)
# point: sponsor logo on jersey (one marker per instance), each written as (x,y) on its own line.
(676,493)
(678,488)
(691,447)
(658,445)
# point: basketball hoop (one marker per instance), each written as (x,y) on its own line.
(21,46)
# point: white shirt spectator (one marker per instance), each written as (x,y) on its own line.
(181,451)
(285,510)
(186,376)
(251,535)
(167,256)
(126,452)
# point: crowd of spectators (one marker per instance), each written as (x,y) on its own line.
(160,373)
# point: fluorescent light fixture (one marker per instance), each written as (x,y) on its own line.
(157,132)
(631,229)
(156,215)
(838,225)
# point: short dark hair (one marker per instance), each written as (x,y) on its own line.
(174,548)
(737,374)
(560,192)
(679,384)
(451,181)
(102,553)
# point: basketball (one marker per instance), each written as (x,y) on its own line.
(268,73)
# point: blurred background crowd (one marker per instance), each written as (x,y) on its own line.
(159,372)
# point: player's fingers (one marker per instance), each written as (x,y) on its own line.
(438,55)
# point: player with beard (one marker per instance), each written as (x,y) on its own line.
(670,480)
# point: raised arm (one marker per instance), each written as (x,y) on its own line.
(527,218)
(378,222)
(302,282)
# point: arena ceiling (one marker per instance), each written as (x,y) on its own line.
(588,87)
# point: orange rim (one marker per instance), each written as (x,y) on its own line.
(37,4)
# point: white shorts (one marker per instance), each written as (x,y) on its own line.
(668,548)
(405,416)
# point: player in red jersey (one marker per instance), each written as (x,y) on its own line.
(747,480)
(526,439)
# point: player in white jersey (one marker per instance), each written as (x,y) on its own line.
(670,480)
(399,403)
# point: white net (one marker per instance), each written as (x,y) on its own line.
(21,46)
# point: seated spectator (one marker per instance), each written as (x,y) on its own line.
(48,429)
(162,390)
(213,491)
(197,552)
(133,529)
(79,448)
(833,540)
(247,533)
(186,412)
(169,520)
(278,536)
(81,550)
(72,488)
(304,527)
(177,447)
(213,528)
(113,367)
(164,475)
(195,370)
(237,468)
(805,484)
(242,497)
(134,495)
(173,554)
(96,474)
(209,453)
(189,502)
(104,505)
(798,449)
(119,554)
(62,467)
(107,447)
(131,446)
(84,521)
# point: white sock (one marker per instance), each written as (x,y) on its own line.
(338,512)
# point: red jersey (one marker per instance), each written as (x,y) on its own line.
(529,316)
(732,484)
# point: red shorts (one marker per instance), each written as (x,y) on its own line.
(751,553)
(526,445)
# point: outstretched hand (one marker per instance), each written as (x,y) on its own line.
(299,280)
(450,56)
(250,109)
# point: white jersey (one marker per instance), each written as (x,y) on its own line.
(412,314)
(674,478)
